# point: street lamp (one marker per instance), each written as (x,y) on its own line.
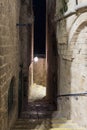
(36,59)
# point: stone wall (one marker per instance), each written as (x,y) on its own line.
(37,80)
(73,62)
(9,59)
(26,20)
(25,39)
(26,35)
(52,53)
(39,72)
(71,35)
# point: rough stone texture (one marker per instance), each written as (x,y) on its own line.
(37,79)
(14,42)
(73,74)
(52,55)
(71,36)
(26,34)
(39,72)
(26,17)
(9,59)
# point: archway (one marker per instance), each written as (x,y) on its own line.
(79,74)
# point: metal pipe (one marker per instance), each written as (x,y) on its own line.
(64,16)
(72,94)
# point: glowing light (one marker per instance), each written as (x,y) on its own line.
(35,59)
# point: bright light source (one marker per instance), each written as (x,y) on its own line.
(35,59)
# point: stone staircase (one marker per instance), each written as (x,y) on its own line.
(33,115)
(38,116)
(37,110)
(64,124)
(28,124)
(46,124)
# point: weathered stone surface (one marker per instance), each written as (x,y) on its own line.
(71,36)
(39,73)
(9,61)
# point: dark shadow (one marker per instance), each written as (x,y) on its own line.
(55,64)
(20,91)
(11,97)
(25,33)
(52,55)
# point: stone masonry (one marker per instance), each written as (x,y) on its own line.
(9,58)
(39,72)
(14,42)
(70,18)
(26,38)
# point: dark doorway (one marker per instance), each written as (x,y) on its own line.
(11,95)
(39,7)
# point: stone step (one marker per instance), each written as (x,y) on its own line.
(39,108)
(64,124)
(40,104)
(25,127)
(36,115)
(23,121)
(67,129)
(36,112)
(60,120)
(31,120)
(22,129)
(27,124)
(33,125)
(58,124)
(68,125)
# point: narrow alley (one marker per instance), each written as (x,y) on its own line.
(43,61)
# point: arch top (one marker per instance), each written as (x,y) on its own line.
(80,23)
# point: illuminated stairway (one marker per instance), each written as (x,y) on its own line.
(34,116)
(46,124)
(37,110)
(29,124)
(63,124)
(38,116)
